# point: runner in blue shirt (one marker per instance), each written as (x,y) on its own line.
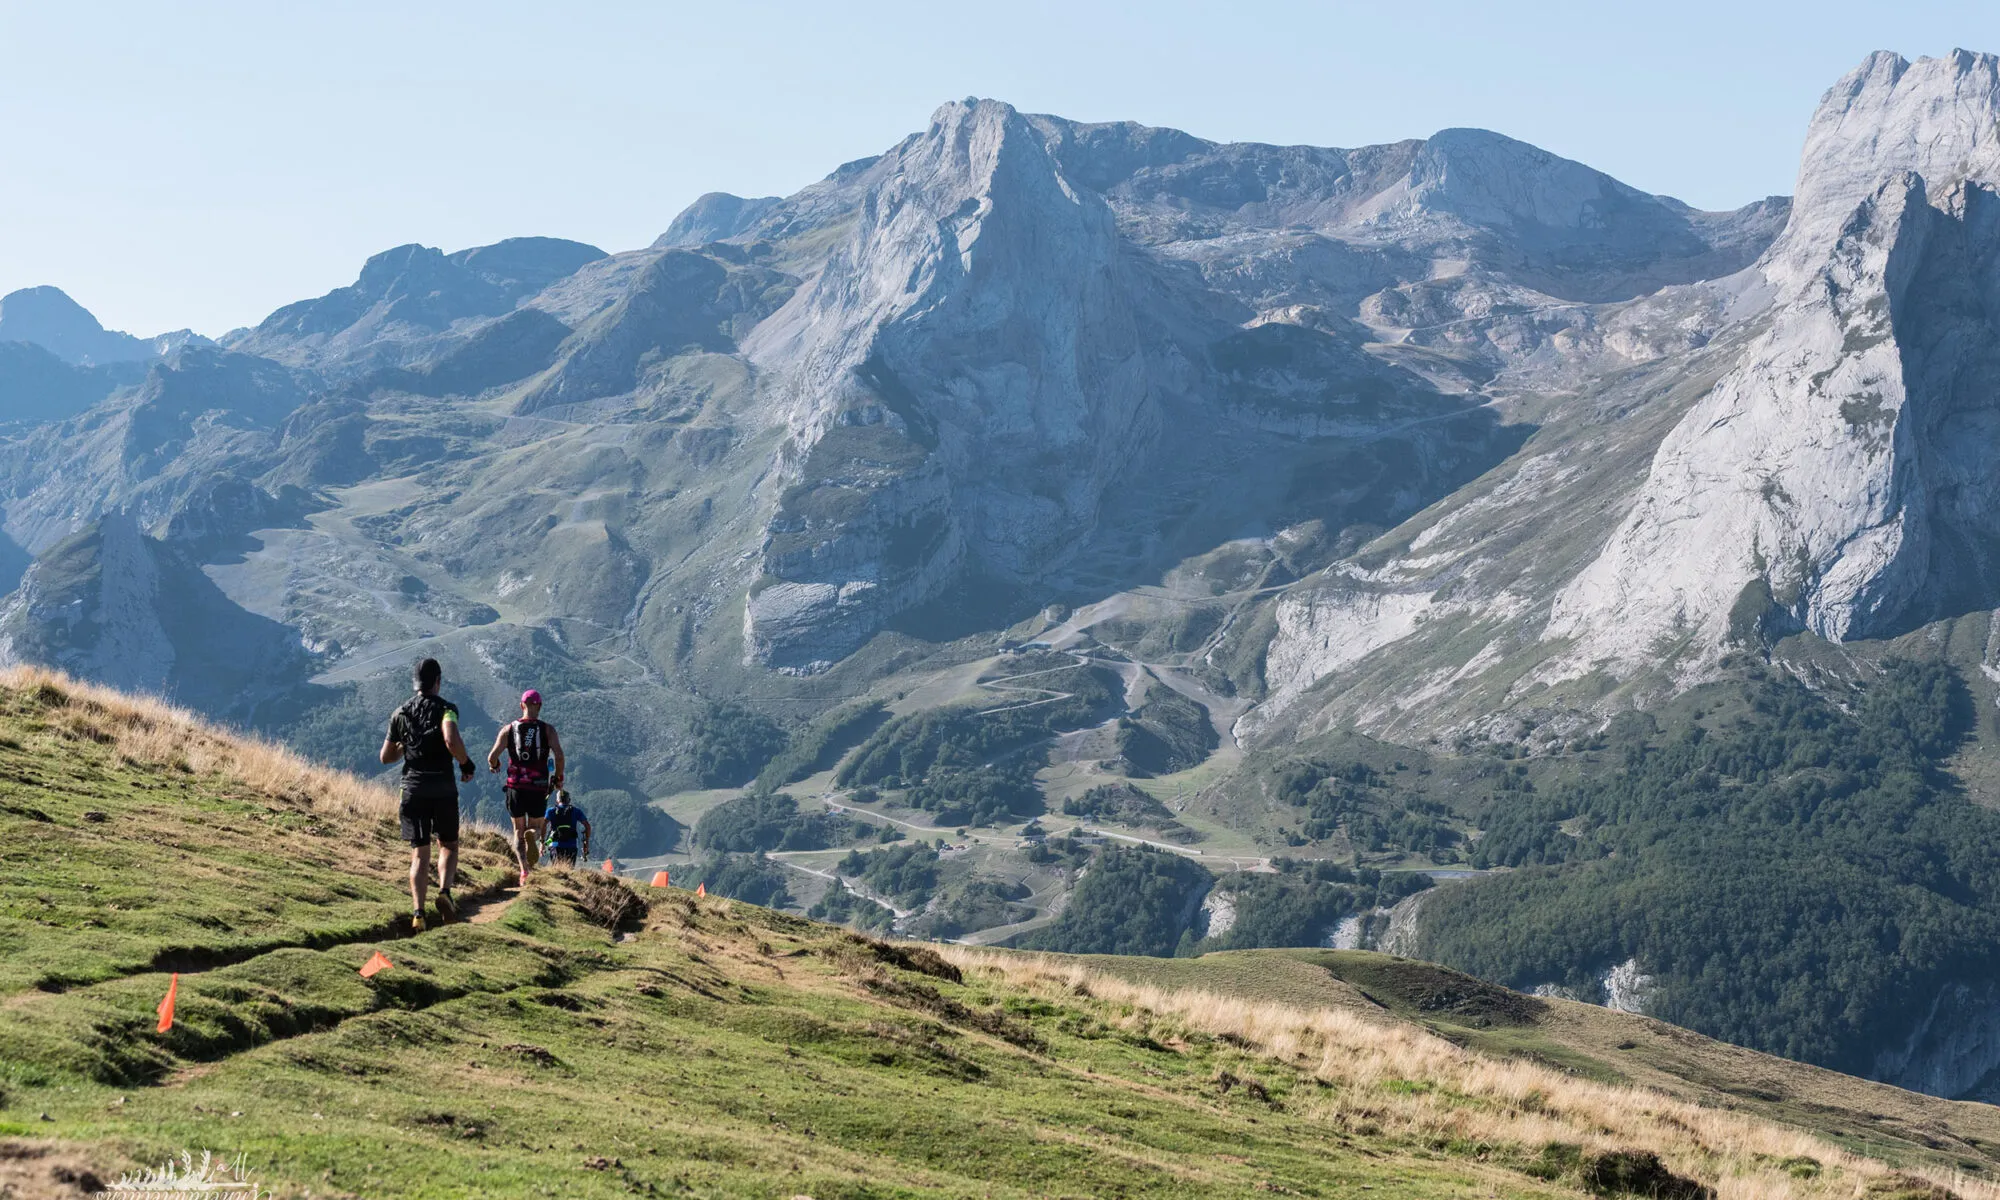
(564,822)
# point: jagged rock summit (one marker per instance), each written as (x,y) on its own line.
(1838,479)
(990,351)
(977,266)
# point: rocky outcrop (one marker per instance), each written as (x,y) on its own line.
(406,295)
(116,606)
(679,302)
(1622,988)
(1837,479)
(980,323)
(1628,989)
(1402,934)
(1952,1046)
(88,606)
(1217,914)
(714,217)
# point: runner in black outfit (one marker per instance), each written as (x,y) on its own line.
(423,735)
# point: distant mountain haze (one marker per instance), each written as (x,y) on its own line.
(47,317)
(56,360)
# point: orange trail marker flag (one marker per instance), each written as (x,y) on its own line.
(701,889)
(660,879)
(377,963)
(167,1005)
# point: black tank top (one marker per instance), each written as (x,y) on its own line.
(418,727)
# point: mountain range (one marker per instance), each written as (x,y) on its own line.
(1426,469)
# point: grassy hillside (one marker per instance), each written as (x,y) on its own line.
(587,1038)
(1593,1043)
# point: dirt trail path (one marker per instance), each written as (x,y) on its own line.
(489,908)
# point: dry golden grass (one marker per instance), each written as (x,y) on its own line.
(1389,1076)
(150,731)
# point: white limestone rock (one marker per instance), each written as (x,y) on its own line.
(963,380)
(1832,481)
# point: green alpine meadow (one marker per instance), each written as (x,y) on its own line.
(588,1036)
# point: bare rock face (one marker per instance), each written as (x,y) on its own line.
(405,294)
(1953,1044)
(713,217)
(89,607)
(981,280)
(1833,480)
(115,605)
(194,416)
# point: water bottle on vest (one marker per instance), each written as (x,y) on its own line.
(528,756)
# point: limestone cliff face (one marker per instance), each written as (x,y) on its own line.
(1952,1045)
(1834,481)
(1802,444)
(88,607)
(962,380)
(116,605)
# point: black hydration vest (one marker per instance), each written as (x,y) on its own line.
(562,824)
(421,724)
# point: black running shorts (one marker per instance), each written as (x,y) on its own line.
(563,856)
(428,816)
(527,802)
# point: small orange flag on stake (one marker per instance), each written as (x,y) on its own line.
(167,1005)
(609,867)
(701,889)
(660,879)
(377,962)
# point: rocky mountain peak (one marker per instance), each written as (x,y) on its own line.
(1489,179)
(964,379)
(406,293)
(1832,480)
(1938,118)
(714,217)
(48,317)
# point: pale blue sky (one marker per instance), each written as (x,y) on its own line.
(198,164)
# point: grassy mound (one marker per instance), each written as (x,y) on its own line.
(591,1039)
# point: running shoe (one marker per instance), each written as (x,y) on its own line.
(447,909)
(416,922)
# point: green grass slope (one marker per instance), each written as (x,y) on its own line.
(1596,1043)
(588,1038)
